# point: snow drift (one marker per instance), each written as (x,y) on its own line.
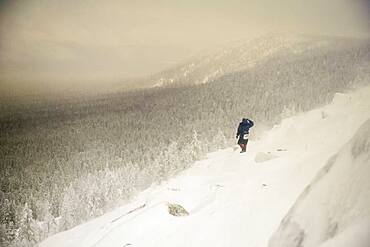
(334,210)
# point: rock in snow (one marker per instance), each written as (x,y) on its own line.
(176,210)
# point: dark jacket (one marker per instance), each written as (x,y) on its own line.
(243,129)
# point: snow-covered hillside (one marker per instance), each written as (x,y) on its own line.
(334,210)
(241,55)
(240,199)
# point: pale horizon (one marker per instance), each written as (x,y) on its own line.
(53,46)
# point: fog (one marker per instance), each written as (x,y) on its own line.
(51,46)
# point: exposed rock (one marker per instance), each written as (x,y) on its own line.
(177,210)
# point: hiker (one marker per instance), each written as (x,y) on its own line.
(243,133)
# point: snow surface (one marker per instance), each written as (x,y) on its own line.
(233,200)
(334,210)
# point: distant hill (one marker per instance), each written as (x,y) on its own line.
(243,55)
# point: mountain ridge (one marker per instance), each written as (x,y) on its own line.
(243,55)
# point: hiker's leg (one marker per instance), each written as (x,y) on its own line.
(245,145)
(241,146)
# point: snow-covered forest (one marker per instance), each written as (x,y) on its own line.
(64,162)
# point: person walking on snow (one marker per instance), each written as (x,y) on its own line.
(243,133)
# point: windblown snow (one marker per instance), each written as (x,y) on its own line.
(250,199)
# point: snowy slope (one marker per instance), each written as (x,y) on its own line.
(334,210)
(233,199)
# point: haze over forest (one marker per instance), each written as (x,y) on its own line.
(49,46)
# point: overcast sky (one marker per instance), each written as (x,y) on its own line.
(59,44)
